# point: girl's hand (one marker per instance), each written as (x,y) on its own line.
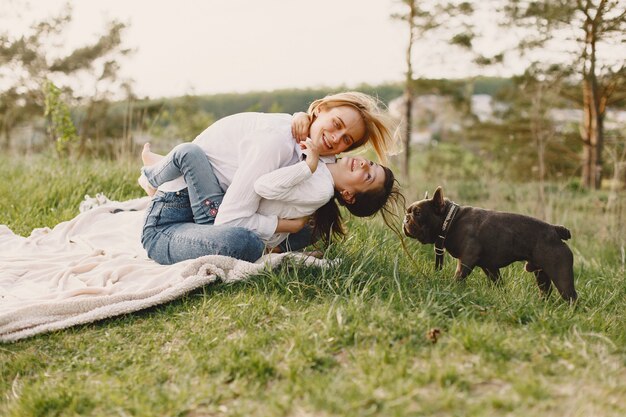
(312,153)
(310,149)
(300,126)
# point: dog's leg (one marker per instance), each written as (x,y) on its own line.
(493,274)
(462,270)
(543,282)
(468,260)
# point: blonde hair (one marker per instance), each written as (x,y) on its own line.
(379,127)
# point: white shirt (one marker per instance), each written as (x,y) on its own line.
(292,192)
(242,148)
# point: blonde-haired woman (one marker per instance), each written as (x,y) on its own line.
(378,126)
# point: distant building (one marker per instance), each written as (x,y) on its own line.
(483,107)
(434,115)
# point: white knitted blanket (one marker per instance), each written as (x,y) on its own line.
(94,266)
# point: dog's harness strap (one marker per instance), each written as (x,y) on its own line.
(439,248)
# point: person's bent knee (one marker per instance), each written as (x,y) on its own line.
(243,244)
(188,154)
(187,149)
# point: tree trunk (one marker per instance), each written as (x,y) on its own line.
(129,136)
(593,133)
(6,136)
(7,127)
(84,131)
(538,131)
(408,94)
(593,137)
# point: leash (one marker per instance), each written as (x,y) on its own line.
(439,249)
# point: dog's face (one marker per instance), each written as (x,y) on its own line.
(424,218)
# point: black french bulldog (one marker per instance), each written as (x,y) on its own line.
(492,240)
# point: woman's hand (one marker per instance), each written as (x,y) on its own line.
(300,126)
(291,225)
(312,153)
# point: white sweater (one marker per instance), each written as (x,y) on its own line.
(293,192)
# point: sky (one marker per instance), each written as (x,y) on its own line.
(214,46)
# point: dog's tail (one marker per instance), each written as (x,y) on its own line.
(563,232)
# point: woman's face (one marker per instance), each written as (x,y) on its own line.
(357,175)
(335,129)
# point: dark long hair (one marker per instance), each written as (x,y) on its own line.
(328,220)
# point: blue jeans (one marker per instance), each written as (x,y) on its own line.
(299,240)
(190,161)
(170,234)
(179,225)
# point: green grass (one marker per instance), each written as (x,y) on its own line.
(347,341)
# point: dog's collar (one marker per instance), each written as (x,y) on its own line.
(453,209)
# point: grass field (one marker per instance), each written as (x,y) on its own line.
(350,341)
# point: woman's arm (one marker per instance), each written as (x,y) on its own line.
(291,225)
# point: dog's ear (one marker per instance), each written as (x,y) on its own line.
(440,204)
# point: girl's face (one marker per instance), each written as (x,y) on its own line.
(335,129)
(357,175)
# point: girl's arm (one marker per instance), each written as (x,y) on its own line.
(278,184)
(297,183)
